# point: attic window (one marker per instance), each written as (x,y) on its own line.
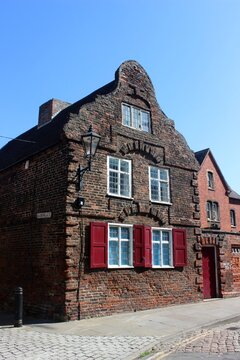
(135,117)
(210,180)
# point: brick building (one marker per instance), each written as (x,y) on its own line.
(220,222)
(134,243)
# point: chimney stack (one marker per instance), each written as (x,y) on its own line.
(49,109)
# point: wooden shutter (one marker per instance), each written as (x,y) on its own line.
(147,247)
(179,247)
(138,245)
(142,246)
(98,245)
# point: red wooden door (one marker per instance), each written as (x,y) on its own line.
(209,272)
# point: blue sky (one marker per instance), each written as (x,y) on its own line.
(66,49)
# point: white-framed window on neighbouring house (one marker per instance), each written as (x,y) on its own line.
(135,118)
(159,185)
(210,180)
(212,211)
(119,177)
(233,218)
(120,246)
(162,253)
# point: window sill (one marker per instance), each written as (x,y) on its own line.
(138,129)
(120,196)
(211,189)
(161,202)
(162,267)
(119,267)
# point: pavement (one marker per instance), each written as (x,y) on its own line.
(164,332)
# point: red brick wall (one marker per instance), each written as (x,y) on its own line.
(32,251)
(230,266)
(218,194)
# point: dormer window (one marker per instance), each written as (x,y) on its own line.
(210,180)
(135,118)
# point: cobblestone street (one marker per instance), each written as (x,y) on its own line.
(21,344)
(222,342)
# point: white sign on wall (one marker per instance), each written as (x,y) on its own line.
(44,215)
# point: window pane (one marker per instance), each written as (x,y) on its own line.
(126,115)
(125,253)
(154,172)
(163,174)
(145,121)
(113,182)
(209,210)
(164,191)
(113,163)
(124,185)
(113,233)
(215,211)
(154,190)
(113,252)
(166,255)
(165,236)
(136,118)
(124,166)
(156,254)
(125,233)
(156,235)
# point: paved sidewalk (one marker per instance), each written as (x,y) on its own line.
(161,322)
(122,336)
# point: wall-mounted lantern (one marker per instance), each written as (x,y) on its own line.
(90,143)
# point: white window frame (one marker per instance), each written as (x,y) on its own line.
(119,246)
(141,111)
(161,266)
(159,181)
(211,208)
(119,172)
(210,186)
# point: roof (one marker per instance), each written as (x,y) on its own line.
(200,156)
(45,136)
(234,195)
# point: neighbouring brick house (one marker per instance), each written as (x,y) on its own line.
(134,244)
(220,222)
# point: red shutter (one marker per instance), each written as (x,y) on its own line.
(138,245)
(98,241)
(147,246)
(142,246)
(179,247)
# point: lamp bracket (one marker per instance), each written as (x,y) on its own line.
(81,171)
